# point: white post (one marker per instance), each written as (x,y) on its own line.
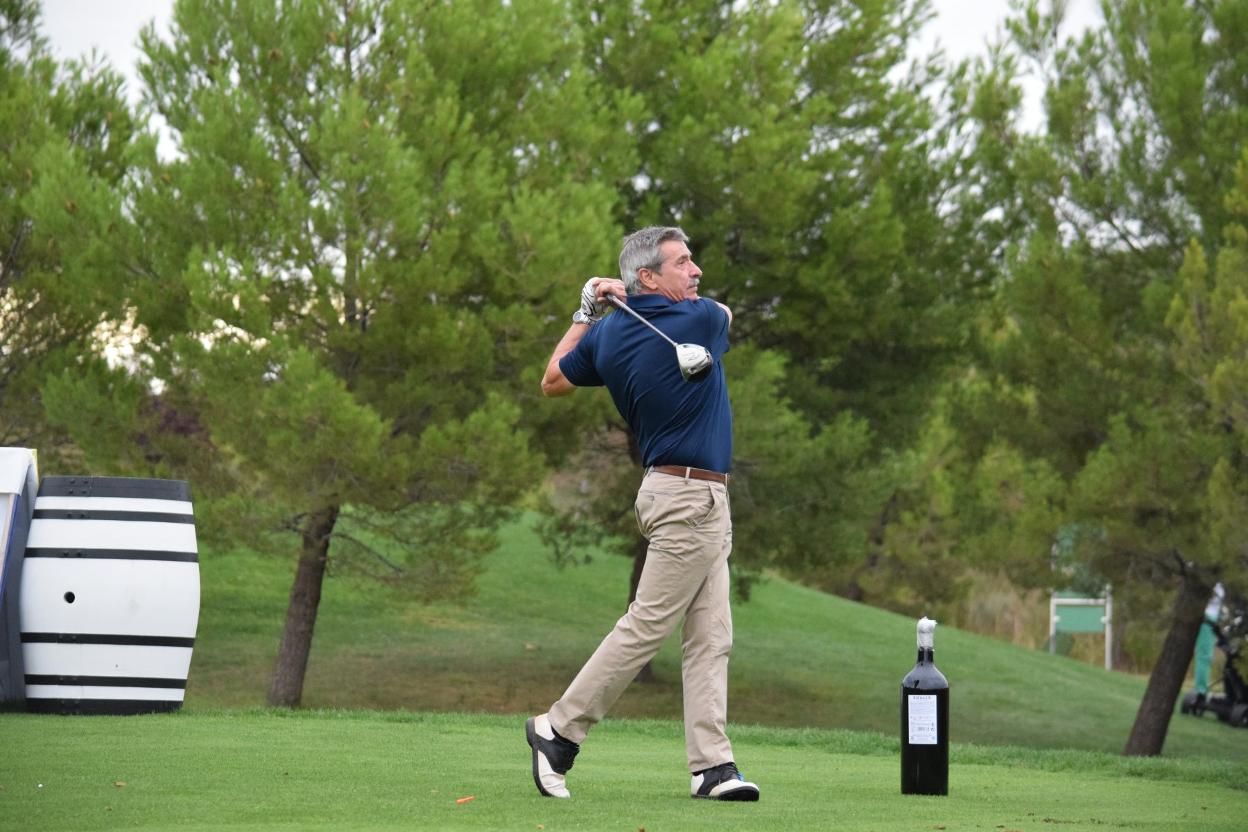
(1052,622)
(1109,627)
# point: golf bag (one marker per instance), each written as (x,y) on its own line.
(1230,704)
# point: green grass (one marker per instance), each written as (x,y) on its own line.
(802,658)
(359,770)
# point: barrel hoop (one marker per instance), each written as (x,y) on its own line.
(105,681)
(150,489)
(104,638)
(101,707)
(132,516)
(113,554)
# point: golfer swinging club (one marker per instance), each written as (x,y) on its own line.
(684,431)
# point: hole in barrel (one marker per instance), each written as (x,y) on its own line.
(69,597)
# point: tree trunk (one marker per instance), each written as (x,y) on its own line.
(888,514)
(640,544)
(305,599)
(1148,734)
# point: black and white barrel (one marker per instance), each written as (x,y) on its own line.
(109,600)
(19,483)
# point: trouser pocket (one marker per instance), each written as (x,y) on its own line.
(679,515)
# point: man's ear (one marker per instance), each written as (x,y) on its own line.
(647,278)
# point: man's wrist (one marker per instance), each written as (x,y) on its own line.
(579,317)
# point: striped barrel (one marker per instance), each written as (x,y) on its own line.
(109,600)
(19,483)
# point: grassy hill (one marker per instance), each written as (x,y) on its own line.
(802,658)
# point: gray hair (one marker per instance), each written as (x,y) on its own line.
(641,251)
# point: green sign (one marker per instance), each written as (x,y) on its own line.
(1081,619)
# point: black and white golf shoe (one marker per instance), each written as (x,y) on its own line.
(552,756)
(723,782)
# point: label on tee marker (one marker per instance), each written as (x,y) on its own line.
(922,712)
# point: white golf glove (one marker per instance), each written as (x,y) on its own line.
(592,309)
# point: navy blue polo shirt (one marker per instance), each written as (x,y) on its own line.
(676,422)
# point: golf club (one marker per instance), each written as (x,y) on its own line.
(695,362)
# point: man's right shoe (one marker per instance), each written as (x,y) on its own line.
(723,782)
(552,756)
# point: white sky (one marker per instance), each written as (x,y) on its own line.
(74,27)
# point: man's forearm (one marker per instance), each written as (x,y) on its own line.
(554,383)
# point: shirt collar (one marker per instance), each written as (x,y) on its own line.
(648,301)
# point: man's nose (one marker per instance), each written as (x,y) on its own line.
(694,270)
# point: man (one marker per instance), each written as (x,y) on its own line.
(1206,641)
(684,430)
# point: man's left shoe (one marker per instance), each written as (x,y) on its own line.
(552,756)
(722,782)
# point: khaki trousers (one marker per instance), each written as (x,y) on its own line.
(689,527)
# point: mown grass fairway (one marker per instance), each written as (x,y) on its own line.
(360,770)
(802,658)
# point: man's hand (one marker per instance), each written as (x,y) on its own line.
(609,286)
(592,309)
(593,299)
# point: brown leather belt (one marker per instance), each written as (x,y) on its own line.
(691,473)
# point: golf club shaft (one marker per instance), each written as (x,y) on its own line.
(619,304)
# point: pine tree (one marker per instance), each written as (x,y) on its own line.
(376,217)
(818,179)
(1113,345)
(66,134)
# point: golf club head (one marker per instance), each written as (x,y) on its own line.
(695,362)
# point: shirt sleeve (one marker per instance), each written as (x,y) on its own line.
(717,329)
(578,365)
